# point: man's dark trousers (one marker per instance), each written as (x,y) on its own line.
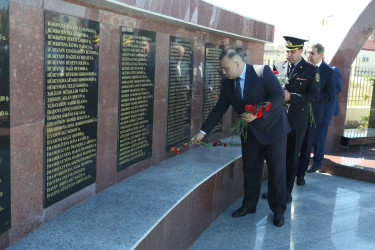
(294,143)
(321,141)
(307,145)
(253,155)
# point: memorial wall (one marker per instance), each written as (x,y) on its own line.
(179,91)
(100,92)
(5,211)
(71,97)
(212,81)
(137,71)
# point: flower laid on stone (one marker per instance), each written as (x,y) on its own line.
(177,149)
(225,144)
(240,126)
(219,143)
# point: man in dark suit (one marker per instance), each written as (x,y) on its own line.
(327,91)
(246,84)
(301,89)
(330,110)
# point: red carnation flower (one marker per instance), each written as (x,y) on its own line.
(184,145)
(249,108)
(172,149)
(275,72)
(259,113)
(268,106)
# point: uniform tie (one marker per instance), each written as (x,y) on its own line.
(291,68)
(238,88)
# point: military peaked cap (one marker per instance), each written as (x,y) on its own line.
(293,43)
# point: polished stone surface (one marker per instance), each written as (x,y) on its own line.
(106,148)
(356,162)
(361,156)
(359,133)
(26,64)
(26,195)
(195,12)
(358,137)
(329,212)
(124,214)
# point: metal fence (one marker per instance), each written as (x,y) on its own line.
(360,87)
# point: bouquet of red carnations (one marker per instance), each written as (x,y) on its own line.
(240,125)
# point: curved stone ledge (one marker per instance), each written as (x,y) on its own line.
(165,206)
(352,172)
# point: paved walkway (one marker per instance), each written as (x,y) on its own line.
(329,212)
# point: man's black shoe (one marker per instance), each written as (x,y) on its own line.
(242,211)
(278,220)
(313,169)
(265,196)
(300,181)
(288,198)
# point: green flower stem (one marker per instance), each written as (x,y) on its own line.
(240,127)
(312,119)
(199,142)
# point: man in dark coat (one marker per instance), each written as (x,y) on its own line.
(301,89)
(330,110)
(327,91)
(246,84)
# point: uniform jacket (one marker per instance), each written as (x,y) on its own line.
(263,88)
(327,91)
(303,85)
(332,108)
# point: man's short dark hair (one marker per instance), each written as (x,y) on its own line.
(319,48)
(228,53)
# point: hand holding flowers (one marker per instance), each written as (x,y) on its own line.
(251,113)
(283,81)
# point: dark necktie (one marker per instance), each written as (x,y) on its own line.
(291,67)
(238,88)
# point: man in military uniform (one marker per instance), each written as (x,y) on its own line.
(301,89)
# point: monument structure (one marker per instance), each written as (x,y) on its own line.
(93,92)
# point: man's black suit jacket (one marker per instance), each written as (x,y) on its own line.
(263,88)
(303,85)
